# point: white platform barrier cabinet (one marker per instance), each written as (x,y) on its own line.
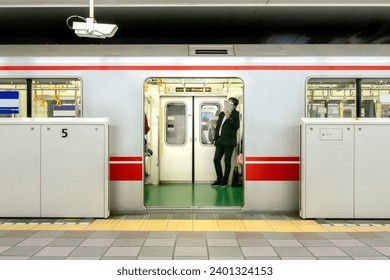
(20,176)
(54,167)
(345,168)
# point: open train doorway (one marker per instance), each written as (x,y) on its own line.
(182,115)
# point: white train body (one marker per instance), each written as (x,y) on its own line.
(274,98)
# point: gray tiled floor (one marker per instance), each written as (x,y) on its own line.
(155,245)
(168,245)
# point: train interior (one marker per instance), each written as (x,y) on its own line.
(182,115)
(338,98)
(56,97)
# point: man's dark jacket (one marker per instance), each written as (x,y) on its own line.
(229,129)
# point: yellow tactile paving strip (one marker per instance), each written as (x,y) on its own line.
(197,225)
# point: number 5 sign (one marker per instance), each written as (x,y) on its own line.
(64,133)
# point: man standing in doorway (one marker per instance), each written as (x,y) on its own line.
(225,140)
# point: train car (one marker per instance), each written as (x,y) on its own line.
(178,92)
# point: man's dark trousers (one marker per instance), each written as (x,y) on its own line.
(221,150)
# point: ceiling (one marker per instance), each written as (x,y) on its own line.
(201,21)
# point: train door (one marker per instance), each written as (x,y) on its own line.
(186,149)
(182,114)
(205,119)
(176,139)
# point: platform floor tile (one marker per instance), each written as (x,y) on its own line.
(194,236)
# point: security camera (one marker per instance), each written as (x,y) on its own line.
(91,29)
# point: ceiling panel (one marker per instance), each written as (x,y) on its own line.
(200,25)
(190,3)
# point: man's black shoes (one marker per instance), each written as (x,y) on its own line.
(216,184)
(223,184)
(219,184)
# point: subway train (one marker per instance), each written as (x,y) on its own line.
(177,91)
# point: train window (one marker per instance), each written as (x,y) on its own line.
(208,121)
(13,98)
(375,98)
(40,98)
(330,98)
(348,98)
(56,98)
(175,123)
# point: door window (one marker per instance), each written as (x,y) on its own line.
(175,124)
(208,121)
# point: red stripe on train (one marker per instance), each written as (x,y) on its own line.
(125,158)
(254,172)
(272,172)
(192,67)
(126,172)
(272,158)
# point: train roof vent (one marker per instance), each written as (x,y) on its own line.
(216,50)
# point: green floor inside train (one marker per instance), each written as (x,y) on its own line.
(192,195)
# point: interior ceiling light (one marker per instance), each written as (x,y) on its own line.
(89,27)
